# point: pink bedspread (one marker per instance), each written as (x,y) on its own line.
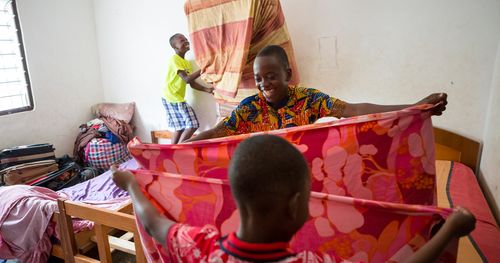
(346,228)
(25,225)
(462,189)
(365,172)
(384,157)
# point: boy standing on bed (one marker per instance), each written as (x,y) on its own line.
(270,182)
(180,115)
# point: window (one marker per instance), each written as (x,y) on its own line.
(15,90)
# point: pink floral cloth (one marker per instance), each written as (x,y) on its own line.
(345,228)
(384,157)
(372,177)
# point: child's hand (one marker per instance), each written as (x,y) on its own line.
(437,99)
(461,222)
(122,178)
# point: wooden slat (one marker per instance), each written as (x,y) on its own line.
(155,135)
(101,216)
(468,148)
(447,153)
(103,219)
(122,243)
(101,234)
(66,232)
(127,236)
(139,252)
(82,239)
(84,259)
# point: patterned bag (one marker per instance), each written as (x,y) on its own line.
(100,153)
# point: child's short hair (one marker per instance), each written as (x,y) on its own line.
(264,169)
(172,39)
(276,51)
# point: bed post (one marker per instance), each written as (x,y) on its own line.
(101,233)
(139,252)
(66,233)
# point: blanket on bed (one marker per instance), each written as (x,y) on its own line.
(365,172)
(384,157)
(26,211)
(346,228)
(227,35)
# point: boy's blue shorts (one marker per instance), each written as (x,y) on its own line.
(180,115)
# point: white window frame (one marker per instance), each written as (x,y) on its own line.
(25,95)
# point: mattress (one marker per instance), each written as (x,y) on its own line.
(98,190)
(457,185)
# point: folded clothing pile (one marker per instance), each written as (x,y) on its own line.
(102,141)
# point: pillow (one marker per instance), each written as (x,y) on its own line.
(119,111)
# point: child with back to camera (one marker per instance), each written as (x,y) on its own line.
(270,182)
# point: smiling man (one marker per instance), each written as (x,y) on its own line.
(278,105)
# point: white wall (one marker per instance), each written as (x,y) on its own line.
(61,50)
(490,161)
(133,46)
(400,51)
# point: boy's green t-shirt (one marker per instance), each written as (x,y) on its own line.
(175,86)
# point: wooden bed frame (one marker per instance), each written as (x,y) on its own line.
(453,147)
(157,135)
(107,223)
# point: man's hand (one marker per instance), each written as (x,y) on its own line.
(122,178)
(437,99)
(461,222)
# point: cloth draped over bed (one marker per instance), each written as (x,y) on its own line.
(365,172)
(346,228)
(383,157)
(226,36)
